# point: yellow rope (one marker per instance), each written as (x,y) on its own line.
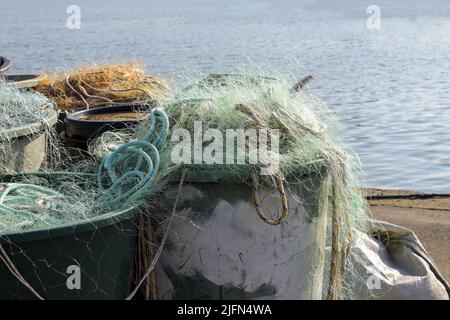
(333,289)
(278,181)
(257,202)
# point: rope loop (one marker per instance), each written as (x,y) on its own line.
(157,115)
(127,171)
(32,200)
(283,199)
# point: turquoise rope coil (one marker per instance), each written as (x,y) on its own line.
(157,115)
(33,201)
(124,176)
(129,170)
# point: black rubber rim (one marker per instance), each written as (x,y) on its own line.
(75,117)
(5,64)
(84,130)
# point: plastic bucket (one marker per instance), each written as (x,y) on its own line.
(100,251)
(221,249)
(82,126)
(26,146)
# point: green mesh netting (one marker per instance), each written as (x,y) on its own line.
(126,168)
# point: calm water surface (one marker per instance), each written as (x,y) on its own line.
(390,87)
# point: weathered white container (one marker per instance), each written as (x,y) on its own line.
(221,249)
(24,148)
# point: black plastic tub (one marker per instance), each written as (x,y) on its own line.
(82,126)
(101,248)
(5,64)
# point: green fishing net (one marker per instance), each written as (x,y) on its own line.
(126,168)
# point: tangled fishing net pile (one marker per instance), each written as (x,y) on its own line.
(20,109)
(69,191)
(95,86)
(23,114)
(308,144)
(128,167)
(121,178)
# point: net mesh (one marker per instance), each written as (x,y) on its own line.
(20,109)
(129,167)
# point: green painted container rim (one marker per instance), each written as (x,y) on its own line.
(98,222)
(212,175)
(51,119)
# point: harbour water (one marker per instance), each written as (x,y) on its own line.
(390,86)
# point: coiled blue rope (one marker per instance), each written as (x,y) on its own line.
(33,201)
(124,175)
(129,170)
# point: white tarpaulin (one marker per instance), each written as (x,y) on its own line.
(391,263)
